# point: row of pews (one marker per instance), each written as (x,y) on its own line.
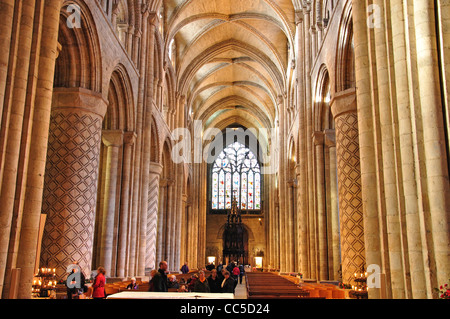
(268,285)
(120,286)
(319,290)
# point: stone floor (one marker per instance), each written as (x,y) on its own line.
(241,290)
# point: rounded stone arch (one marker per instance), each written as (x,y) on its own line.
(154,143)
(122,19)
(345,57)
(79,60)
(166,160)
(120,111)
(187,184)
(292,157)
(323,117)
(169,99)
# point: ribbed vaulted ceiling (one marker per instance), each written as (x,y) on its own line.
(232,57)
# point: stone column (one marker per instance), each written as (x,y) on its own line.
(12,115)
(435,152)
(343,107)
(22,254)
(129,140)
(318,140)
(6,26)
(309,44)
(70,191)
(289,224)
(112,140)
(333,214)
(303,159)
(389,185)
(191,231)
(184,233)
(411,207)
(170,224)
(152,217)
(160,240)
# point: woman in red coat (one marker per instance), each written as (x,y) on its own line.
(99,284)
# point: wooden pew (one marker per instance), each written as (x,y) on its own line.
(268,285)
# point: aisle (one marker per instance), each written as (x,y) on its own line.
(241,290)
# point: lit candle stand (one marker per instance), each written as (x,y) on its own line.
(359,290)
(44,283)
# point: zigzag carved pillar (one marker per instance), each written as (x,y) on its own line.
(152,217)
(70,187)
(344,110)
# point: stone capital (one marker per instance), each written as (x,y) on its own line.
(156,168)
(79,100)
(129,138)
(112,138)
(298,17)
(292,183)
(298,170)
(318,138)
(344,102)
(165,182)
(330,138)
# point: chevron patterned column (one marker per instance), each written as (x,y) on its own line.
(344,110)
(152,217)
(70,186)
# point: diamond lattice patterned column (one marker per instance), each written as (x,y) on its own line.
(349,184)
(70,188)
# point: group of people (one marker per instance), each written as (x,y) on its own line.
(76,283)
(221,280)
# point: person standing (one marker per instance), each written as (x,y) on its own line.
(201,284)
(76,288)
(214,282)
(228,283)
(99,284)
(160,278)
(242,273)
(184,269)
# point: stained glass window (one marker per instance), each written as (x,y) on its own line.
(236,172)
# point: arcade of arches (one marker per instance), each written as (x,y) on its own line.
(348,99)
